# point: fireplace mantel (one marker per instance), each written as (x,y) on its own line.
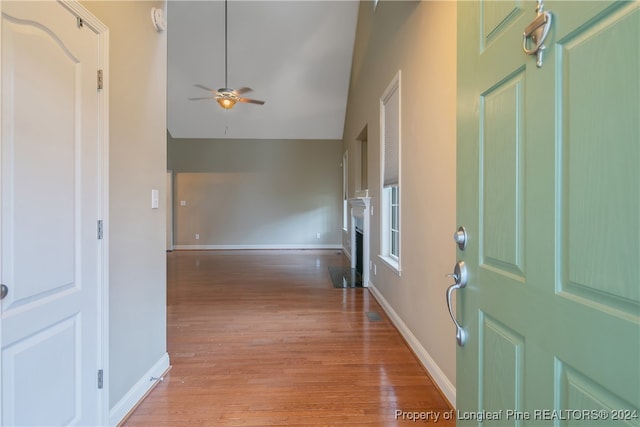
(361,214)
(360,204)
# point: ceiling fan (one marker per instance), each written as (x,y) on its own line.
(225,96)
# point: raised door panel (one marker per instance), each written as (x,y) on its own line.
(501,176)
(39,152)
(598,217)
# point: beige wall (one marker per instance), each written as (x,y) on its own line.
(137,164)
(418,38)
(256,193)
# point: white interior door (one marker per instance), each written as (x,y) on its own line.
(53,191)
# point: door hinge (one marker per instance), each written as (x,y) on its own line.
(100,79)
(100,229)
(100,378)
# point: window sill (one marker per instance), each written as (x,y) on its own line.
(392,263)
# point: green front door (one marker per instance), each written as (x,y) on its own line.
(549,193)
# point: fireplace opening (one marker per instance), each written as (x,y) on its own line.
(359,250)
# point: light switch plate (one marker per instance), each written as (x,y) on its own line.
(155,199)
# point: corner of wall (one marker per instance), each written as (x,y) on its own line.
(139,391)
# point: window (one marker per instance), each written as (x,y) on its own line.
(390,200)
(394,226)
(345,191)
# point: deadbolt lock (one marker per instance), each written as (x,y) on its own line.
(460,237)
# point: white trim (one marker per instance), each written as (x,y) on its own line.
(360,208)
(250,247)
(1,370)
(104,37)
(441,380)
(346,247)
(394,86)
(391,263)
(138,391)
(102,31)
(345,191)
(169,203)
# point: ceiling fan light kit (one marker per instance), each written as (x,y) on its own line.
(226,99)
(225,96)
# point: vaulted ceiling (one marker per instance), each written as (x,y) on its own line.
(295,55)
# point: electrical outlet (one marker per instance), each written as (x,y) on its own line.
(197,236)
(183,203)
(317,235)
(375,270)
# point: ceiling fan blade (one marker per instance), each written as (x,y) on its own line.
(204,87)
(251,101)
(243,90)
(202,97)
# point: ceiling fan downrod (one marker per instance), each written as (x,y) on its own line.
(225,96)
(226,66)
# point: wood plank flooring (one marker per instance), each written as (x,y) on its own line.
(261,338)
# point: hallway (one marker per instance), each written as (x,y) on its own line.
(261,338)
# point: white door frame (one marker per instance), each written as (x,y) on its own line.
(102,31)
(169,203)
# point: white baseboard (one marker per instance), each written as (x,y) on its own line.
(441,380)
(138,391)
(250,247)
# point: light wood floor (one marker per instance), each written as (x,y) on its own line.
(261,338)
